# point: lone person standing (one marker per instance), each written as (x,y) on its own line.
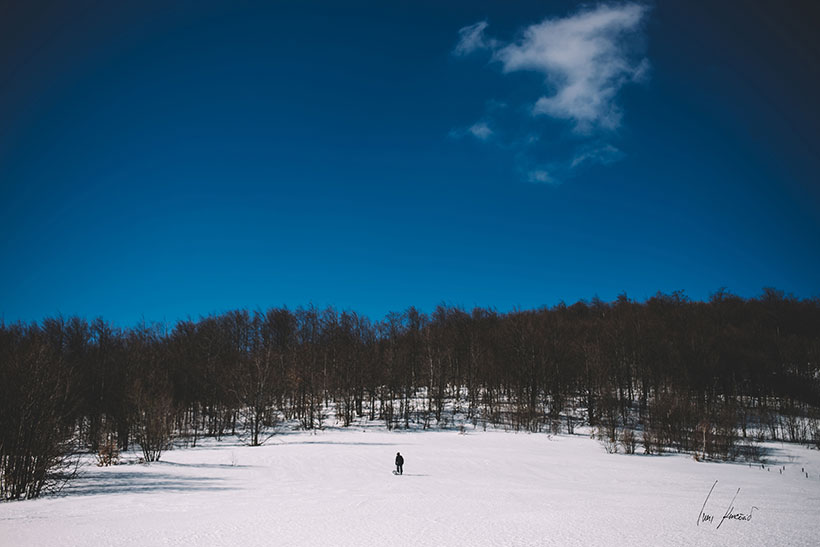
(399,463)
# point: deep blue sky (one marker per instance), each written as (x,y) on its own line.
(163,162)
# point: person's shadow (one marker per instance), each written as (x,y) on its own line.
(410,474)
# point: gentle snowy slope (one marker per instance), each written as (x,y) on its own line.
(482,488)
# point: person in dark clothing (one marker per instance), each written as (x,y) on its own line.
(399,463)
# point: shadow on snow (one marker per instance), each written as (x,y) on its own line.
(132,482)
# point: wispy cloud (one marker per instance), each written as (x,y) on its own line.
(541,176)
(585,60)
(481,131)
(471,38)
(604,154)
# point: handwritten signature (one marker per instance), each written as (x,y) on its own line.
(730,513)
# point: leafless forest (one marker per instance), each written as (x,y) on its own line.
(709,378)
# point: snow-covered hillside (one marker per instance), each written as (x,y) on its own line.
(479,488)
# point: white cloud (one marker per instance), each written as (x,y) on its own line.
(481,131)
(471,38)
(585,59)
(604,154)
(541,176)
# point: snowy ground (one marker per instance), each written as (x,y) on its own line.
(481,488)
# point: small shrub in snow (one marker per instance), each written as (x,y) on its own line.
(107,453)
(610,442)
(651,445)
(629,440)
(570,425)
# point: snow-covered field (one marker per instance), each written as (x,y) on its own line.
(479,488)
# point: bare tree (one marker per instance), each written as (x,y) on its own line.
(36,434)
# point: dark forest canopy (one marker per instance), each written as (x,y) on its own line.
(668,373)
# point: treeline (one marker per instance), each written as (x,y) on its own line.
(668,373)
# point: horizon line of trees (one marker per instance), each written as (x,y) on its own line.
(667,373)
